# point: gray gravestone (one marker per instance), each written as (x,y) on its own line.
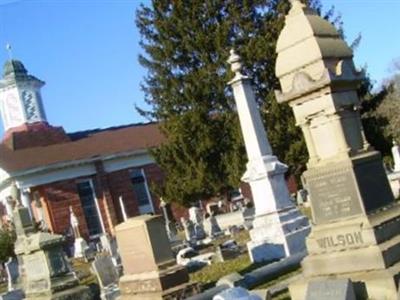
(12,272)
(107,276)
(330,289)
(188,228)
(211,226)
(109,244)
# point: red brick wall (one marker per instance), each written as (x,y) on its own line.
(59,196)
(120,186)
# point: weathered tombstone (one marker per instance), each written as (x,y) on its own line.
(12,273)
(107,276)
(45,270)
(188,227)
(195,216)
(109,245)
(169,221)
(150,270)
(330,289)
(279,229)
(229,219)
(211,227)
(355,219)
(80,245)
(396,156)
(394,176)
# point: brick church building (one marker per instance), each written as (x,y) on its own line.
(92,171)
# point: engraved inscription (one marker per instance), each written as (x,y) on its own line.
(341,240)
(333,195)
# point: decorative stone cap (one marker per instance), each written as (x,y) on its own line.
(14,68)
(137,221)
(312,55)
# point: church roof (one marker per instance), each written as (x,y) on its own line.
(83,145)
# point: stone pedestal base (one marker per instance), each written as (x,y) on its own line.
(153,285)
(365,249)
(278,235)
(368,285)
(78,292)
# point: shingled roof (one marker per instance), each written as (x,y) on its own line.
(83,145)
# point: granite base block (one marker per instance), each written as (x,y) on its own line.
(278,235)
(79,292)
(153,282)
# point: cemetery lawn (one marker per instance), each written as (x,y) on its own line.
(209,275)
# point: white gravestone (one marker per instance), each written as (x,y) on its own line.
(107,276)
(195,216)
(80,245)
(279,229)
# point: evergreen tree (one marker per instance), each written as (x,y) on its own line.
(186,45)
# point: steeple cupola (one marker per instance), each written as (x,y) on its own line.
(20,98)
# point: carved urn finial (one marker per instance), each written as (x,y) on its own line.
(296,3)
(235,62)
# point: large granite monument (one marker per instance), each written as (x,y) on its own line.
(150,270)
(45,272)
(279,229)
(356,227)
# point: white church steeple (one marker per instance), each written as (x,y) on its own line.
(20,98)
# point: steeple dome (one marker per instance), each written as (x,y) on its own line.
(14,68)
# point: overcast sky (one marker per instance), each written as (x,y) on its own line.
(86,52)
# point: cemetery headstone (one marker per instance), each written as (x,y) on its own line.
(396,156)
(354,213)
(188,228)
(211,226)
(330,289)
(195,216)
(80,245)
(150,270)
(107,276)
(169,221)
(279,229)
(109,245)
(45,270)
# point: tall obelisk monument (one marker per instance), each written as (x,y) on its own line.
(279,230)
